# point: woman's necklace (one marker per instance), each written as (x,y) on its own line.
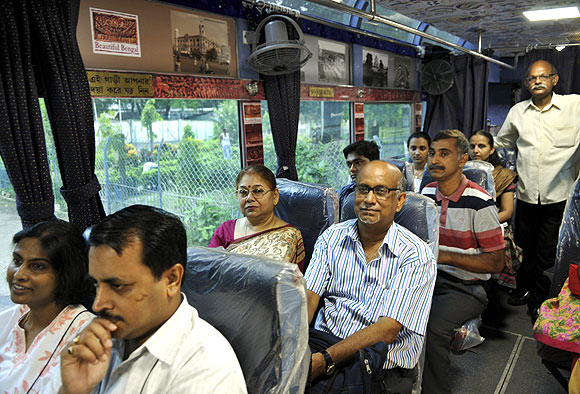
(418,173)
(25,320)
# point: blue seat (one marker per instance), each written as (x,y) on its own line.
(310,208)
(259,305)
(420,215)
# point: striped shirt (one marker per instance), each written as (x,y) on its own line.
(468,224)
(397,284)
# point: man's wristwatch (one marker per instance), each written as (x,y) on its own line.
(330,365)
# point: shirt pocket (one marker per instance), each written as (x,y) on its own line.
(564,134)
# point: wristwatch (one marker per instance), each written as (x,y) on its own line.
(330,365)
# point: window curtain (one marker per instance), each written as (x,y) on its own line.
(464,106)
(567,62)
(39,49)
(283,95)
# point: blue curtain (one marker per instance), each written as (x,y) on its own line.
(283,95)
(39,51)
(464,106)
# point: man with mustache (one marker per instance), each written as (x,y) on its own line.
(376,279)
(147,338)
(546,132)
(470,249)
(357,154)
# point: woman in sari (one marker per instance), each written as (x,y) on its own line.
(260,232)
(481,148)
(48,280)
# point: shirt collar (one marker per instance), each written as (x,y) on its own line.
(456,195)
(556,102)
(390,240)
(158,344)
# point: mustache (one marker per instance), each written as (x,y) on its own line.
(108,316)
(539,86)
(436,167)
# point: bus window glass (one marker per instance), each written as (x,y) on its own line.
(389,125)
(179,155)
(323,131)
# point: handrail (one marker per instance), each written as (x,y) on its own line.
(377,18)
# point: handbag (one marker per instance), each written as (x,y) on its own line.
(363,375)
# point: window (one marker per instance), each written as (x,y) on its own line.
(389,125)
(179,155)
(323,132)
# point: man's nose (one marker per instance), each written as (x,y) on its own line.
(102,300)
(370,198)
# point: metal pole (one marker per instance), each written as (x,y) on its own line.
(479,41)
(159,174)
(107,185)
(377,18)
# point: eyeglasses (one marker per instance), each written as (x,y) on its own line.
(257,193)
(381,192)
(543,78)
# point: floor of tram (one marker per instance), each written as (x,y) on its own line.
(506,362)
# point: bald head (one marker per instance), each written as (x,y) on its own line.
(544,64)
(541,77)
(378,195)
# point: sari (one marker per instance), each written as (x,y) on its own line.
(282,243)
(504,180)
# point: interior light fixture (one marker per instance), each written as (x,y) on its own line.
(560,47)
(552,14)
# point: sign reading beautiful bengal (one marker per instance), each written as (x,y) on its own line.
(111,84)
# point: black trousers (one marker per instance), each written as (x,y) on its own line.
(536,233)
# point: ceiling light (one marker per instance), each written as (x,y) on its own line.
(560,47)
(552,14)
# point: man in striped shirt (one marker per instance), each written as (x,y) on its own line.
(376,279)
(470,249)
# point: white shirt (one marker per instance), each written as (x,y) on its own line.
(547,142)
(185,355)
(36,369)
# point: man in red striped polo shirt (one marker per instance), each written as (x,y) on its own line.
(470,249)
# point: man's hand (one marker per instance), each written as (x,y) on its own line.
(85,360)
(318,365)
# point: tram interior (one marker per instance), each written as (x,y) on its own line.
(178,111)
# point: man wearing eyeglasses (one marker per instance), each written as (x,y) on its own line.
(376,279)
(471,247)
(546,132)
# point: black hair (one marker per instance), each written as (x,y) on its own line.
(461,143)
(368,149)
(68,255)
(494,157)
(161,233)
(262,171)
(419,134)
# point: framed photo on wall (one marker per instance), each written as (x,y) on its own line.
(329,64)
(114,33)
(375,66)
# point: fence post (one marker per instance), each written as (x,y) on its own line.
(106,166)
(159,174)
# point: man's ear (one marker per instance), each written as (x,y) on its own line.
(173,277)
(463,159)
(401,201)
(556,79)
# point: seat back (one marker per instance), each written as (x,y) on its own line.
(477,171)
(421,216)
(400,164)
(259,305)
(568,250)
(310,208)
(508,157)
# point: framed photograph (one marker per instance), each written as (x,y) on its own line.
(329,64)
(404,70)
(375,68)
(201,44)
(114,33)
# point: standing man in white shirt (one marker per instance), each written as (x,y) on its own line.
(146,338)
(546,132)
